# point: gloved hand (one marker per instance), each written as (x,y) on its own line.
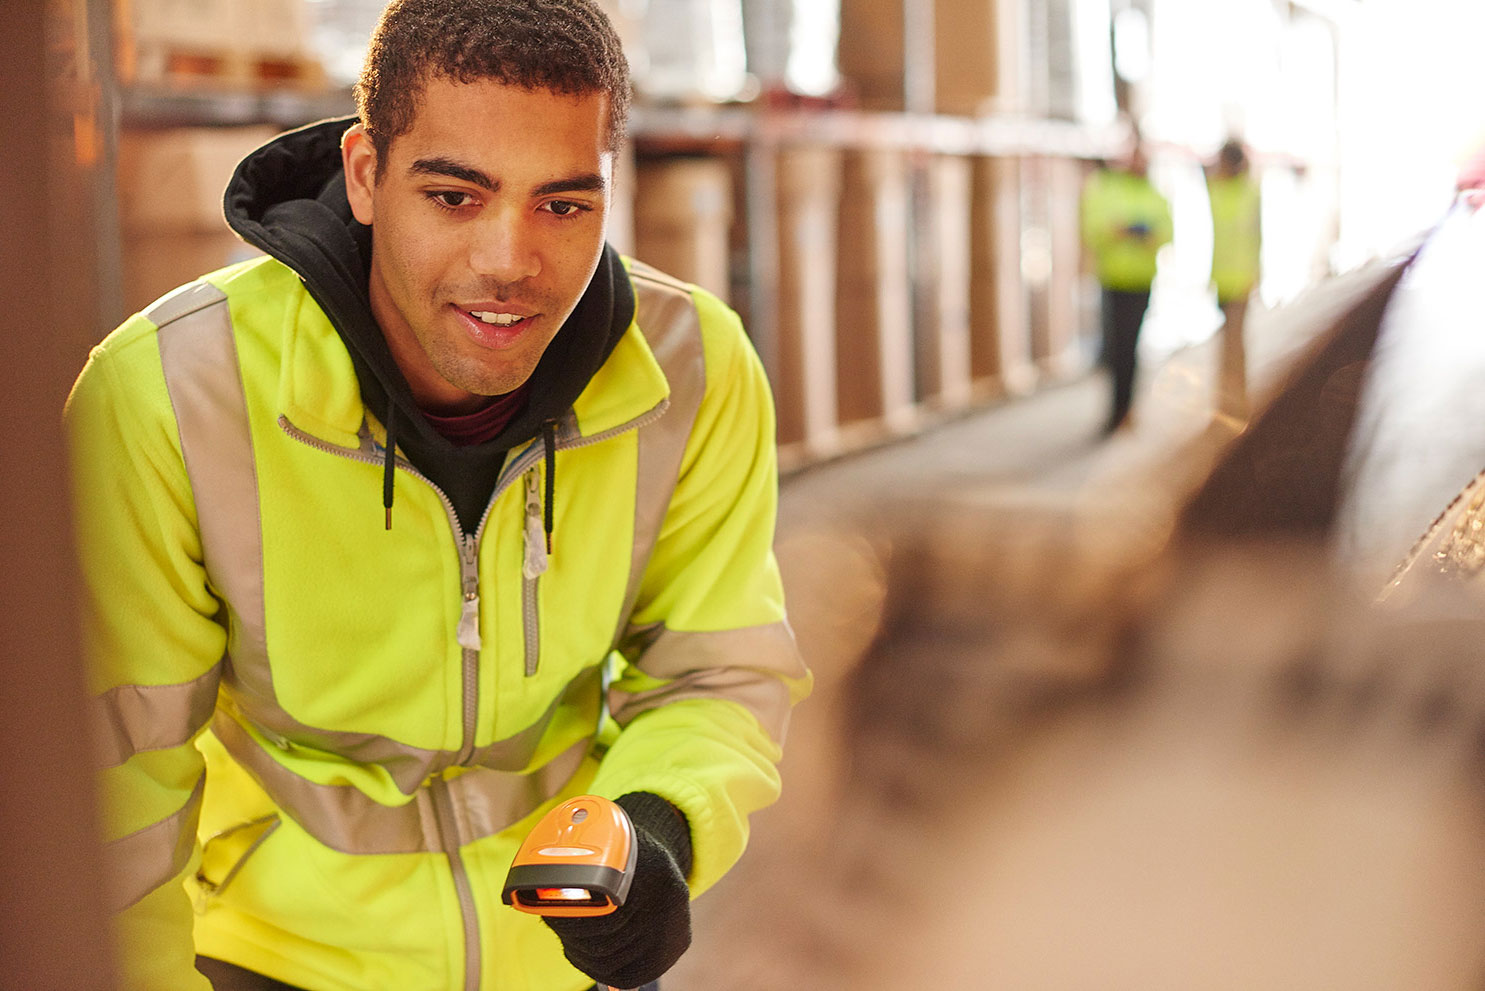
(645,936)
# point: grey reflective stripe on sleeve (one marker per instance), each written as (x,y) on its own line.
(720,665)
(143,861)
(199,356)
(672,328)
(130,719)
(342,817)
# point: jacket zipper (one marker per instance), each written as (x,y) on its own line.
(448,832)
(471,643)
(531,583)
(468,549)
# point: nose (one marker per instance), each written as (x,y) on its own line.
(504,247)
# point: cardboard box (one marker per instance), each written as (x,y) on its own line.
(943,348)
(1000,339)
(278,28)
(874,343)
(871,52)
(682,216)
(154,263)
(977,55)
(201,25)
(809,185)
(172,181)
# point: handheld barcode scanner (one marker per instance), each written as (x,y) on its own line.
(579,860)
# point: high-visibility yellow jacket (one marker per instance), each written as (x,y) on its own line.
(1237,237)
(325,739)
(1125,223)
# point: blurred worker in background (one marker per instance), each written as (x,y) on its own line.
(1125,222)
(1236,244)
(351,634)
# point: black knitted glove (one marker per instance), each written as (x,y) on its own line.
(644,937)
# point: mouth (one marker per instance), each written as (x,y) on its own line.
(493,325)
(497,319)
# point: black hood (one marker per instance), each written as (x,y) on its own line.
(288,198)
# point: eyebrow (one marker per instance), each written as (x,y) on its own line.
(452,169)
(588,182)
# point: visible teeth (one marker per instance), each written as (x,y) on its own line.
(498,319)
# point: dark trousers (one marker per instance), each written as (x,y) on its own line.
(226,976)
(230,977)
(1123,315)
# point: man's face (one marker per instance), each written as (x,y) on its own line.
(487,224)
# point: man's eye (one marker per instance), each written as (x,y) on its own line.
(451,199)
(563,208)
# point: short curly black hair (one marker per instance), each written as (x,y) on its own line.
(566,46)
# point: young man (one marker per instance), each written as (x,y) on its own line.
(1125,223)
(438,515)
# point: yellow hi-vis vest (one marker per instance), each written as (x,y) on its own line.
(1236,235)
(324,740)
(1125,223)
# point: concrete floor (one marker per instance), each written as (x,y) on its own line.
(1021,456)
(860,876)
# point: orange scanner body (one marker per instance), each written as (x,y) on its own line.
(578,860)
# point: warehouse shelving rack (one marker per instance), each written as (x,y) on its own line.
(752,136)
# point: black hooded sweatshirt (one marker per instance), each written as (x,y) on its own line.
(288,198)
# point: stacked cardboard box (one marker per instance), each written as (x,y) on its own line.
(943,347)
(170,185)
(1000,341)
(978,51)
(977,54)
(221,44)
(874,338)
(682,219)
(808,183)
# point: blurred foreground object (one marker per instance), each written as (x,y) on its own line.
(52,927)
(1419,444)
(1071,761)
(1176,743)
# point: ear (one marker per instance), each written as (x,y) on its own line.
(359,157)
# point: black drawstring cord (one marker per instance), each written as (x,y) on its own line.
(389,469)
(549,439)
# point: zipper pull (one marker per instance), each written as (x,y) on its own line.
(535,563)
(469,623)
